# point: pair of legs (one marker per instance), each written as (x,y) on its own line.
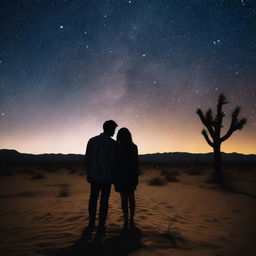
(103,189)
(128,203)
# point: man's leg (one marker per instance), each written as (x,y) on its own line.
(94,194)
(105,193)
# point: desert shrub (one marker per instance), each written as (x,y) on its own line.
(170,175)
(6,173)
(64,190)
(51,168)
(27,171)
(38,176)
(80,171)
(175,172)
(73,171)
(156,181)
(195,171)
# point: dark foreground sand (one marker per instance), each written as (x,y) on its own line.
(188,217)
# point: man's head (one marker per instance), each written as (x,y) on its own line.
(109,127)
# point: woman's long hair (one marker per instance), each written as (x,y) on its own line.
(124,136)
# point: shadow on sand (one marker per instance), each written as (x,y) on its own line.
(121,244)
(237,191)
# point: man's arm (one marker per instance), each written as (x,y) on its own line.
(137,160)
(88,158)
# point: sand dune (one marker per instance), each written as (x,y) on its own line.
(189,217)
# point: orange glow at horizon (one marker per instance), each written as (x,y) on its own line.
(150,137)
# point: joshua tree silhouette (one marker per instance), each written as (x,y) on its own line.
(214,126)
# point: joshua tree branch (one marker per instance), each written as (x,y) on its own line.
(219,117)
(204,121)
(204,132)
(209,117)
(228,134)
(240,124)
(235,124)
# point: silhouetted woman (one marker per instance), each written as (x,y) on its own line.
(126,178)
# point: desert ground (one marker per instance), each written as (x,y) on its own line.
(43,211)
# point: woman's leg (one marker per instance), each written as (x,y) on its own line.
(124,204)
(132,207)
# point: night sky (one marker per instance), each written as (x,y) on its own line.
(67,66)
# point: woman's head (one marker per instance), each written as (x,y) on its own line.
(124,135)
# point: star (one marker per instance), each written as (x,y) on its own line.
(134,53)
(215,42)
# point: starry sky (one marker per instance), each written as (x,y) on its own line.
(67,66)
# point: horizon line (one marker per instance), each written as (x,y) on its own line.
(211,152)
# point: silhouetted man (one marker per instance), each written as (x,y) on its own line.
(100,164)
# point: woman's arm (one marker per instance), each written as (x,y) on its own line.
(136,161)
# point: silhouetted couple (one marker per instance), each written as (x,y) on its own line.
(111,162)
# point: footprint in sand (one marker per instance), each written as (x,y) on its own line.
(143,217)
(236,210)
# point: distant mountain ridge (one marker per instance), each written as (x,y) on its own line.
(195,157)
(9,156)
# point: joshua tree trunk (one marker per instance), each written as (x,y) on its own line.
(213,133)
(217,164)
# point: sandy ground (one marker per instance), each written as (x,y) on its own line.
(188,217)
